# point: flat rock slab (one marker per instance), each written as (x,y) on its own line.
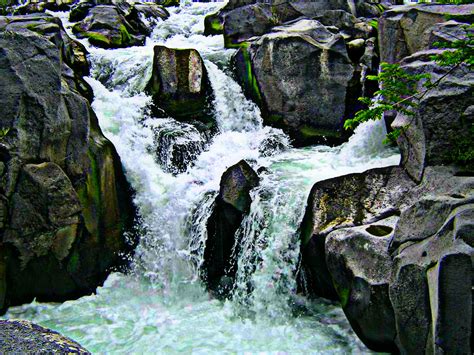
(23,337)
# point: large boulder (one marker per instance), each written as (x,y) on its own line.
(435,314)
(255,20)
(440,130)
(231,206)
(23,337)
(180,85)
(387,248)
(293,67)
(405,30)
(115,26)
(360,267)
(346,201)
(65,202)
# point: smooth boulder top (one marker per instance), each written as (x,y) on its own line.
(466,9)
(23,337)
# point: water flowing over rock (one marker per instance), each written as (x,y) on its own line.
(65,200)
(26,337)
(231,205)
(180,85)
(292,68)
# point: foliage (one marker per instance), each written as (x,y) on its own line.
(3,132)
(400,91)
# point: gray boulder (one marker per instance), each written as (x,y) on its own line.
(360,267)
(65,202)
(231,206)
(346,201)
(405,30)
(115,26)
(180,85)
(387,248)
(441,128)
(23,337)
(293,67)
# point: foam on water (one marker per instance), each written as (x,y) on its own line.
(161,306)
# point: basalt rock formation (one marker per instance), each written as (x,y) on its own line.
(231,206)
(65,203)
(394,245)
(293,54)
(180,86)
(115,26)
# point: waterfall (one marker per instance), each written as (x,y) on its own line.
(162,306)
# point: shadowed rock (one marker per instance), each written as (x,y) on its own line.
(65,202)
(231,206)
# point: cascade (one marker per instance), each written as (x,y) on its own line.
(161,304)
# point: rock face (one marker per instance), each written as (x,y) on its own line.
(406,30)
(290,69)
(231,205)
(115,26)
(441,126)
(25,337)
(180,85)
(377,241)
(65,203)
(295,53)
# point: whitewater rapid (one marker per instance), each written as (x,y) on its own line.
(161,305)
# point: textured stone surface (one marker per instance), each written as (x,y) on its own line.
(443,117)
(65,200)
(115,26)
(22,337)
(293,67)
(406,30)
(231,206)
(401,280)
(180,85)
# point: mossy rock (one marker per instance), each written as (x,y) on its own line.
(180,85)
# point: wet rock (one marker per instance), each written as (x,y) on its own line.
(18,336)
(387,248)
(405,30)
(346,201)
(437,313)
(255,20)
(360,267)
(68,202)
(80,10)
(232,204)
(443,119)
(106,27)
(302,60)
(177,145)
(180,85)
(116,26)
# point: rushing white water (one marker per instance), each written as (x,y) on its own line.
(161,306)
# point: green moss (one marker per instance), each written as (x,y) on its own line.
(73,263)
(250,80)
(98,39)
(126,37)
(89,195)
(343,294)
(216,25)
